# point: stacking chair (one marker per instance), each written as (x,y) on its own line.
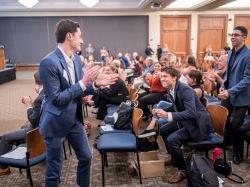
(218,117)
(120,142)
(26,155)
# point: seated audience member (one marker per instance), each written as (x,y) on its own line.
(215,78)
(190,65)
(155,91)
(33,113)
(192,118)
(148,65)
(120,69)
(113,94)
(195,81)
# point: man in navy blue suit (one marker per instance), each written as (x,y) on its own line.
(189,122)
(61,116)
(236,96)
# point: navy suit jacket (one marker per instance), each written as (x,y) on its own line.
(238,84)
(63,100)
(191,114)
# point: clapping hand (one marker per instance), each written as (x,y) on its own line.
(106,79)
(27,101)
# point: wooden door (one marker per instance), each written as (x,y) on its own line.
(175,34)
(243,20)
(211,32)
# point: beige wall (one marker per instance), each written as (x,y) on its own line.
(154,24)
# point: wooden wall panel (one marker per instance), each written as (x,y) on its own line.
(175,32)
(212,31)
(243,20)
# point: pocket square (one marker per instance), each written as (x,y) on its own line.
(65,75)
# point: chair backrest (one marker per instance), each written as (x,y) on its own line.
(136,119)
(35,143)
(133,95)
(218,116)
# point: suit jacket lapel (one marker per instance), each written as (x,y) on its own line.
(63,63)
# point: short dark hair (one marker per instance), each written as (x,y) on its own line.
(171,71)
(63,27)
(37,78)
(242,29)
(197,75)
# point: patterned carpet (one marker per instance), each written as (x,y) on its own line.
(12,116)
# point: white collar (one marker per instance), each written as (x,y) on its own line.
(68,59)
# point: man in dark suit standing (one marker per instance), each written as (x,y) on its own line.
(236,93)
(192,120)
(33,113)
(64,85)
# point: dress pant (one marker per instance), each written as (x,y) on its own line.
(174,143)
(149,99)
(166,130)
(234,121)
(78,140)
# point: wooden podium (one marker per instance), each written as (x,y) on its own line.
(2,58)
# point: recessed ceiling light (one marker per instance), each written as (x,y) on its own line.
(182,4)
(236,4)
(89,3)
(28,3)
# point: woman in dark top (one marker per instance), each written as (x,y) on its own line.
(195,81)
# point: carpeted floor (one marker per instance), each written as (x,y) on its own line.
(13,115)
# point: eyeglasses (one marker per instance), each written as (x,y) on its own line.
(235,35)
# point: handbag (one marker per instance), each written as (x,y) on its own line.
(223,167)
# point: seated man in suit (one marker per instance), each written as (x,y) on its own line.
(192,119)
(33,114)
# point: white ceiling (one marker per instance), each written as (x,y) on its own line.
(104,5)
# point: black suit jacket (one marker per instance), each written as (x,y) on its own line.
(33,113)
(191,114)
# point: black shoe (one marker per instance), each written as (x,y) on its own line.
(237,159)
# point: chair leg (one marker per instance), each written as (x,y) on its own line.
(64,150)
(29,176)
(207,154)
(106,159)
(103,163)
(139,166)
(247,149)
(86,107)
(70,151)
(20,170)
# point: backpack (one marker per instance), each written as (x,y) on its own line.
(124,117)
(200,172)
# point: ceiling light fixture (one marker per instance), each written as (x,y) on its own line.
(28,3)
(89,3)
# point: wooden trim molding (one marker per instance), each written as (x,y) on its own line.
(23,67)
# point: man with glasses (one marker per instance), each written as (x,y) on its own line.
(236,94)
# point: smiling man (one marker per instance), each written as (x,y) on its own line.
(237,89)
(193,120)
(61,117)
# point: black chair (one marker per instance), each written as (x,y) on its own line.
(26,155)
(120,142)
(218,117)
